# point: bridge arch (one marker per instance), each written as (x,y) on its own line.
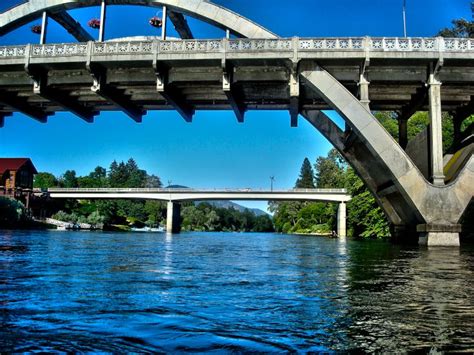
(201,9)
(407,198)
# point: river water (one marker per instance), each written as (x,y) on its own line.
(81,291)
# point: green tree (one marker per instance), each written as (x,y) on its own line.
(306,177)
(69,179)
(330,170)
(461,28)
(152,181)
(12,213)
(45,180)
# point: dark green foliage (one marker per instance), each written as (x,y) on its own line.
(44,180)
(306,178)
(461,28)
(205,217)
(12,213)
(365,218)
(97,178)
(389,121)
(328,170)
(68,179)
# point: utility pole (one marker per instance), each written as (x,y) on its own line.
(405,18)
(272,178)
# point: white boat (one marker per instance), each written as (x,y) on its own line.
(160,229)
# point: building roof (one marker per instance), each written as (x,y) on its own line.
(15,164)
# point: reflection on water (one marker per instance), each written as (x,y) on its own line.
(63,291)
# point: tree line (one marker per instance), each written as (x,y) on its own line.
(120,213)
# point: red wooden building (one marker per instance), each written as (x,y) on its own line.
(16,175)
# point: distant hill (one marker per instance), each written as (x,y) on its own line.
(236,206)
(224,203)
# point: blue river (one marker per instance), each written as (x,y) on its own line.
(230,292)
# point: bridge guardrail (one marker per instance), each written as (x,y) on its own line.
(394,44)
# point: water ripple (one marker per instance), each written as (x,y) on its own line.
(230,292)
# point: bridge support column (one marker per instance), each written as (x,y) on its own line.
(173,218)
(364,91)
(436,138)
(341,220)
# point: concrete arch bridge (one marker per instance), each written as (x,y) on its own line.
(422,192)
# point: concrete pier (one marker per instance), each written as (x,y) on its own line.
(173,218)
(341,220)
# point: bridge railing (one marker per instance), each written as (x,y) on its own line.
(389,44)
(185,190)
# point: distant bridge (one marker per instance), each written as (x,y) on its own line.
(174,196)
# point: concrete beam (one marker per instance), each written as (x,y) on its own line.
(180,24)
(418,100)
(113,94)
(465,111)
(386,190)
(174,97)
(21,105)
(349,139)
(294,87)
(234,98)
(41,88)
(2,118)
(295,107)
(72,26)
(403,133)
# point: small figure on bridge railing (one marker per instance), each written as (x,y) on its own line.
(155,21)
(36,29)
(94,23)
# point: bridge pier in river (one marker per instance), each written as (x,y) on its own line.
(173,217)
(341,220)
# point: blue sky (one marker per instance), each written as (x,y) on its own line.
(213,151)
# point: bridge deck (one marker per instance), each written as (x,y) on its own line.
(331,195)
(259,71)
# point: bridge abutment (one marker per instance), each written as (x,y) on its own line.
(173,217)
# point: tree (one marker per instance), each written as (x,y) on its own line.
(152,181)
(461,28)
(69,179)
(45,180)
(306,177)
(330,170)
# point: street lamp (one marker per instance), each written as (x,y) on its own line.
(272,178)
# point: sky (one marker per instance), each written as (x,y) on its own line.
(214,151)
